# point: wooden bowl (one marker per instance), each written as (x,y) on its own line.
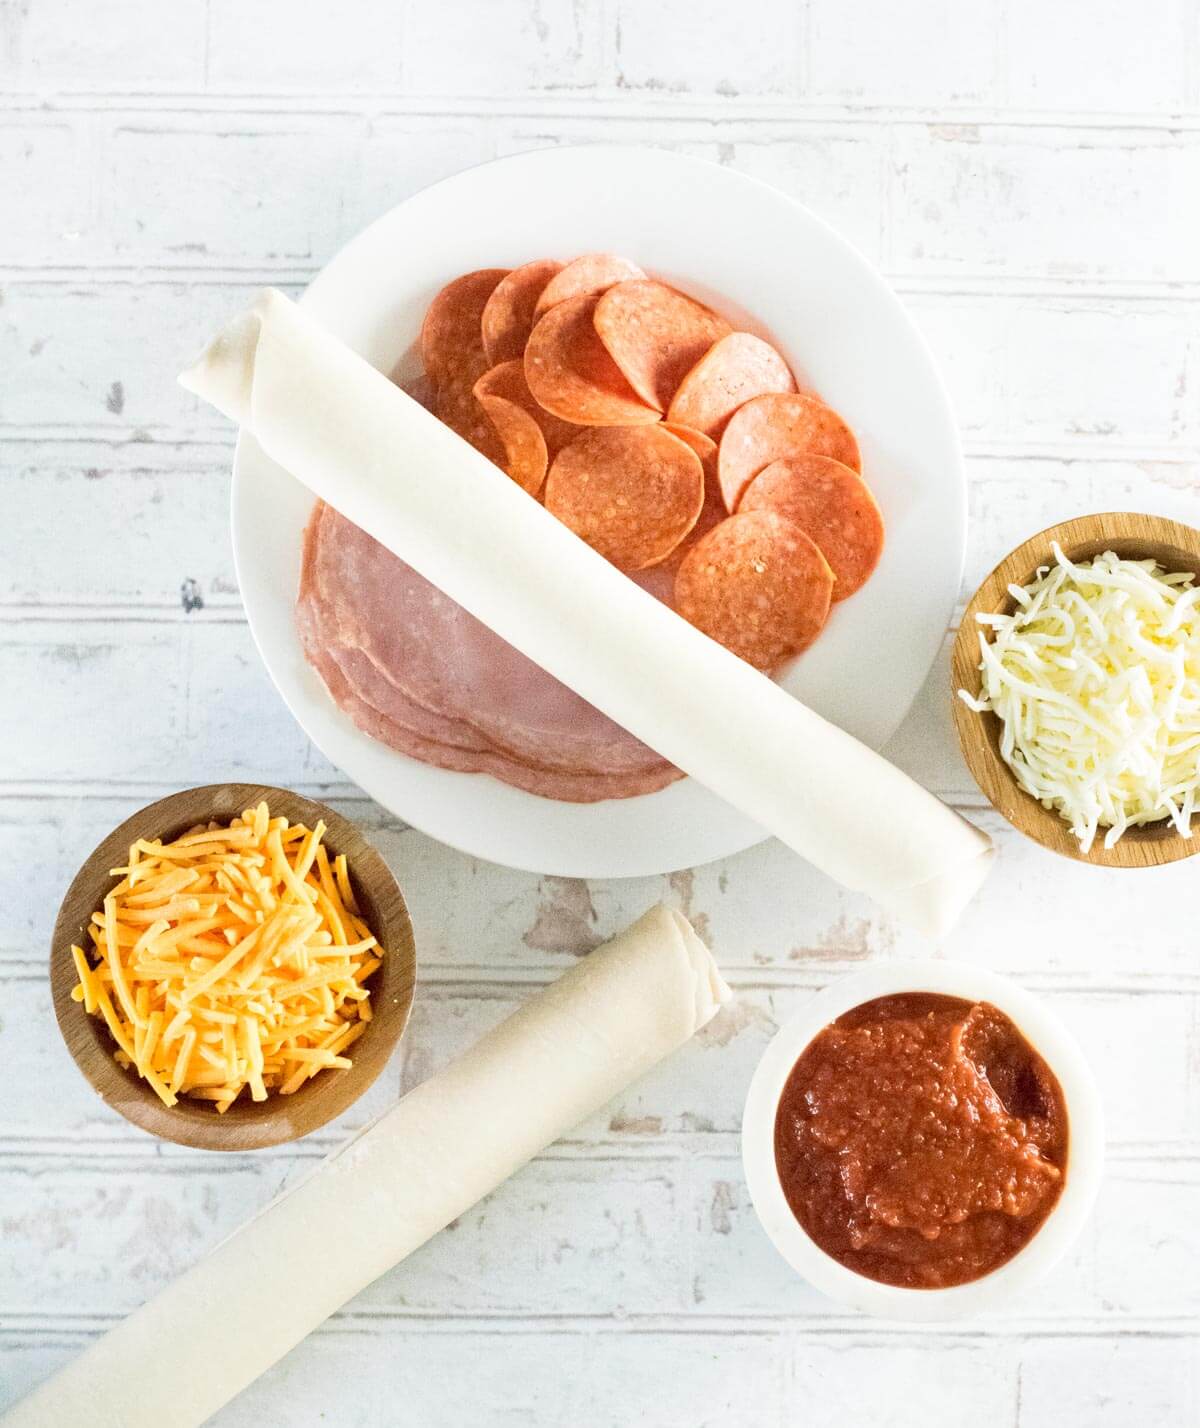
(246,1125)
(1133,537)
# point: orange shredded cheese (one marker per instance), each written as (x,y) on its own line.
(232,958)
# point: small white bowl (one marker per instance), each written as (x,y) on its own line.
(1085,1153)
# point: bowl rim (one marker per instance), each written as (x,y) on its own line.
(246,1125)
(1081,538)
(1085,1155)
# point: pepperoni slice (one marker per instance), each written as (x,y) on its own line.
(655,336)
(733,370)
(507,381)
(457,407)
(571,374)
(451,336)
(631,492)
(713,511)
(705,447)
(757,585)
(497,428)
(658,580)
(422,391)
(832,505)
(507,318)
(588,276)
(769,427)
(525,457)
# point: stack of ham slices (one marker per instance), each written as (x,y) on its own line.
(679,449)
(414,670)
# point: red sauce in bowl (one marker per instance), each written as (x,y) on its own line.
(921,1140)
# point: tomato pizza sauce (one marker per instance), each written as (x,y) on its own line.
(921,1141)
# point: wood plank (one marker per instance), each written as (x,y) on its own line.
(167,504)
(478,920)
(1104,375)
(74,375)
(1141,1048)
(678,1379)
(673,1380)
(206,709)
(163,506)
(598,1235)
(1026,178)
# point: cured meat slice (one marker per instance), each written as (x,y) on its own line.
(776,425)
(499,429)
(631,492)
(322,641)
(321,645)
(704,446)
(757,585)
(371,685)
(454,403)
(421,389)
(507,318)
(656,336)
(308,551)
(831,504)
(524,445)
(381,605)
(657,580)
(442,658)
(712,512)
(561,785)
(382,710)
(507,381)
(588,276)
(571,374)
(451,335)
(733,370)
(457,406)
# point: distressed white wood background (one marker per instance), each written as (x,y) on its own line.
(1028,175)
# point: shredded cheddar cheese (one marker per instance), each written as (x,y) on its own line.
(233,957)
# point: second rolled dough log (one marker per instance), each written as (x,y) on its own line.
(558,1058)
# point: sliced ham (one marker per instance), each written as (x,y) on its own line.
(386,639)
(546,783)
(322,643)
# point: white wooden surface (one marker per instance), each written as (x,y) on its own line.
(1028,175)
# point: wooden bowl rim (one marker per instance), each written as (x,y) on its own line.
(1134,536)
(247,1125)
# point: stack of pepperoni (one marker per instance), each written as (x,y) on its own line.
(679,449)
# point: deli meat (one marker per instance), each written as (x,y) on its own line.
(415,670)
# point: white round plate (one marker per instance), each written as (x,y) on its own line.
(769,265)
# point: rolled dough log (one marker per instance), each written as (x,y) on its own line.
(380,458)
(561,1056)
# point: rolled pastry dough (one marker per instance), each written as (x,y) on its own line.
(369,450)
(557,1059)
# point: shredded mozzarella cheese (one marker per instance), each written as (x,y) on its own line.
(1095,679)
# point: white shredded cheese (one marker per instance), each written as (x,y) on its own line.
(1096,681)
